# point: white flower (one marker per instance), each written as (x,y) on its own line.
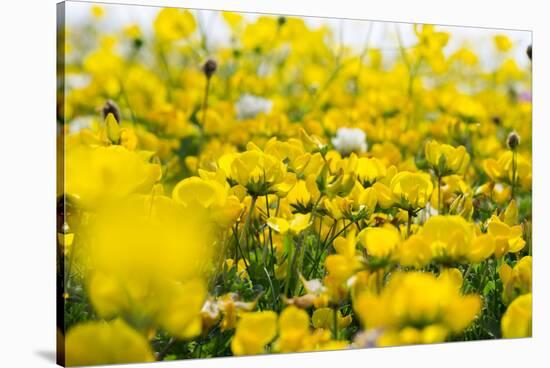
(349,140)
(249,106)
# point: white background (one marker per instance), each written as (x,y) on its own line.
(27,181)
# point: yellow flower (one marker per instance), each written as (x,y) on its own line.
(97,11)
(254,331)
(433,306)
(240,267)
(380,242)
(411,191)
(259,173)
(369,170)
(304,195)
(296,225)
(96,174)
(508,239)
(516,281)
(295,333)
(445,159)
(302,163)
(234,20)
(502,169)
(517,321)
(510,215)
(229,305)
(260,34)
(324,318)
(311,143)
(503,43)
(148,258)
(106,66)
(212,196)
(357,205)
(451,237)
(465,56)
(415,252)
(174,24)
(411,335)
(133,31)
(293,330)
(95,343)
(342,265)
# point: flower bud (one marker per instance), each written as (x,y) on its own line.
(111,108)
(113,128)
(513,140)
(530,52)
(209,68)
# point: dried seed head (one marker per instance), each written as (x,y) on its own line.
(513,140)
(530,52)
(281,21)
(111,108)
(209,68)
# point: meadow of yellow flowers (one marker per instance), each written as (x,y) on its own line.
(286,193)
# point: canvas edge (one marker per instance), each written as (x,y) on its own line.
(60,178)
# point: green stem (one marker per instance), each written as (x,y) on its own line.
(127,101)
(514,169)
(274,296)
(335,323)
(270,234)
(205,102)
(244,233)
(290,271)
(465,277)
(162,354)
(326,244)
(439,195)
(409,222)
(235,231)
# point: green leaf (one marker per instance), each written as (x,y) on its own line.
(489,287)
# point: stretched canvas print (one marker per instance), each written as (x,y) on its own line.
(234,184)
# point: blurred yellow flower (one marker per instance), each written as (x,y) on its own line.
(453,238)
(254,331)
(95,343)
(508,239)
(517,320)
(96,175)
(380,242)
(324,318)
(501,169)
(97,11)
(342,265)
(148,259)
(416,307)
(517,280)
(293,330)
(174,24)
(503,43)
(210,195)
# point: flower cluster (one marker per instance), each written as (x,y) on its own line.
(286,193)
